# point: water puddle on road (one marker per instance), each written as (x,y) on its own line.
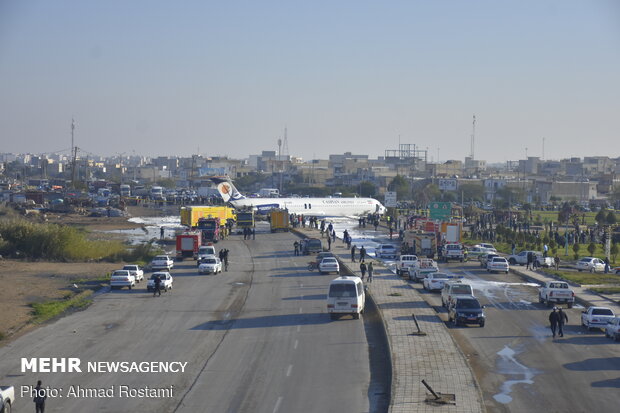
(508,365)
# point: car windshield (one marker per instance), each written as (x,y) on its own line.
(439,276)
(585,259)
(208,261)
(314,243)
(130,267)
(329,261)
(121,272)
(470,304)
(602,311)
(161,257)
(342,290)
(499,259)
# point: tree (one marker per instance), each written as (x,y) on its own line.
(576,247)
(614,251)
(400,185)
(591,248)
(611,218)
(368,189)
(472,192)
(600,217)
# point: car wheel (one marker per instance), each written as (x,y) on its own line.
(482,324)
(488,270)
(7,407)
(617,337)
(579,270)
(356,316)
(606,334)
(130,287)
(332,316)
(506,272)
(540,299)
(592,270)
(570,305)
(455,321)
(512,261)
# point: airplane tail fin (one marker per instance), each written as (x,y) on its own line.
(227,190)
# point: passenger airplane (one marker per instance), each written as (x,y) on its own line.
(317,207)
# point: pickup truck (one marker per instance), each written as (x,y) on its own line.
(405,263)
(556,292)
(521,259)
(122,278)
(422,268)
(453,252)
(7,397)
(596,317)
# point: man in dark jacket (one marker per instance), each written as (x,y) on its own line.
(353,253)
(157,286)
(39,398)
(562,318)
(554,318)
(363,269)
(530,259)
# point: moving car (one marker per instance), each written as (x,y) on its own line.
(435,281)
(166,281)
(612,329)
(136,271)
(346,295)
(210,264)
(485,258)
(122,278)
(205,251)
(329,264)
(386,251)
(596,317)
(454,288)
(324,254)
(7,397)
(453,252)
(489,247)
(498,264)
(466,310)
(476,251)
(311,246)
(162,262)
(406,263)
(556,292)
(590,264)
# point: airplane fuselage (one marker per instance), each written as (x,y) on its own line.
(322,207)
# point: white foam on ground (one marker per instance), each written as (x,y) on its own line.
(512,366)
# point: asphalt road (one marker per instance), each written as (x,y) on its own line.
(519,366)
(256,338)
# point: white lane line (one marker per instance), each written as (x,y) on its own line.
(275,409)
(295,345)
(289,370)
(301,310)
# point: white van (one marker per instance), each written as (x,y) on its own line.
(346,296)
(452,289)
(205,251)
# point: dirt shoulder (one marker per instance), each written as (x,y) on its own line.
(26,282)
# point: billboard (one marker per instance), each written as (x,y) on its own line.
(447,184)
(390,199)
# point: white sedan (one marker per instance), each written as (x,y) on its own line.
(435,281)
(210,265)
(329,264)
(590,264)
(162,262)
(136,271)
(498,264)
(166,281)
(386,251)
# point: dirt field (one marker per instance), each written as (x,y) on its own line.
(28,282)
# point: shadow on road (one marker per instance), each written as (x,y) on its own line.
(265,321)
(614,383)
(603,363)
(308,297)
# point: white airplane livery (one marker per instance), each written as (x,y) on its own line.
(319,207)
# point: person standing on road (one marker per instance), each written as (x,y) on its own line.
(530,257)
(363,269)
(353,253)
(329,243)
(553,320)
(157,286)
(513,246)
(296,246)
(39,398)
(370,271)
(562,318)
(161,232)
(556,261)
(225,259)
(606,265)
(362,254)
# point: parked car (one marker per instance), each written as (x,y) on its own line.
(204,251)
(489,247)
(386,251)
(521,259)
(485,258)
(466,310)
(612,329)
(498,264)
(210,264)
(329,264)
(162,262)
(7,398)
(596,317)
(166,281)
(590,264)
(476,251)
(122,278)
(454,288)
(435,281)
(136,271)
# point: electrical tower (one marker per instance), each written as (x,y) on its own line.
(285,143)
(473,139)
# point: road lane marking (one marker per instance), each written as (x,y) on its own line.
(289,370)
(275,409)
(301,310)
(295,345)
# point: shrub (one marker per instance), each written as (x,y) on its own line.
(576,250)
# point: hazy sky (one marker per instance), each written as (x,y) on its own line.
(226,77)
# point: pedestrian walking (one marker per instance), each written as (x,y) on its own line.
(370,271)
(362,254)
(161,232)
(353,253)
(39,398)
(333,235)
(329,243)
(345,236)
(606,265)
(513,246)
(225,259)
(296,246)
(253,233)
(562,318)
(157,286)
(530,257)
(363,269)
(553,320)
(556,261)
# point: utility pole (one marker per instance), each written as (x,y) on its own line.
(74,167)
(543,151)
(473,138)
